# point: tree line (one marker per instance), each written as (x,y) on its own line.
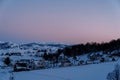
(81,49)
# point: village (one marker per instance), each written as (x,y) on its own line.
(19,62)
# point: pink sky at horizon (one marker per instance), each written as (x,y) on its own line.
(70,21)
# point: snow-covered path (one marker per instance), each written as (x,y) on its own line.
(4,76)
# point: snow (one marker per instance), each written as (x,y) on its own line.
(4,76)
(90,72)
(84,72)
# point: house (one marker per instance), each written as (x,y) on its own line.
(82,62)
(89,62)
(15,54)
(65,63)
(20,66)
(24,64)
(40,64)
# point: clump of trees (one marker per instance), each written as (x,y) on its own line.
(7,61)
(80,49)
(115,74)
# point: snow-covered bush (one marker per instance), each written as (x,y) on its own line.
(115,74)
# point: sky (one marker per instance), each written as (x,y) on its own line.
(64,21)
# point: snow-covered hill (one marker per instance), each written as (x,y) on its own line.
(37,56)
(84,72)
(7,48)
(30,51)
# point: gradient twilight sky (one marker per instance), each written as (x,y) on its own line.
(65,21)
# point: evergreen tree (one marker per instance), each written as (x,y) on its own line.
(7,61)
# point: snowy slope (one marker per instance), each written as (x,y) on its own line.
(90,72)
(85,72)
(32,48)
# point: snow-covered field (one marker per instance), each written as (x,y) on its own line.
(84,72)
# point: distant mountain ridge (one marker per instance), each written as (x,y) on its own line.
(45,44)
(8,45)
